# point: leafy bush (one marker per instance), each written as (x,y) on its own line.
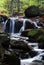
(32,11)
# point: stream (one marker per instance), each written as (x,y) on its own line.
(38,59)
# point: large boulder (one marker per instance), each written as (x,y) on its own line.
(23,50)
(31,33)
(4,37)
(18,25)
(11,59)
(41,41)
(6,40)
(29,25)
(35,35)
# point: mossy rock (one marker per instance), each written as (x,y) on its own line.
(22,46)
(3,37)
(41,41)
(30,32)
(34,34)
(22,49)
(41,38)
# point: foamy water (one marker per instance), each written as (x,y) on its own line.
(29,61)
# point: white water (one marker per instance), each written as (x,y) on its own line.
(23,27)
(18,37)
(12,23)
(30,60)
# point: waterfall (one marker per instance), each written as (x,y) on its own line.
(17,26)
(12,23)
(36,23)
(23,27)
(5,24)
(13,26)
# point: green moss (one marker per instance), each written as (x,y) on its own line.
(34,34)
(4,37)
(41,38)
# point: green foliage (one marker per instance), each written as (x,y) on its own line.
(12,6)
(1,4)
(32,11)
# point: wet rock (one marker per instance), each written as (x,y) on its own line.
(3,37)
(21,46)
(18,25)
(3,40)
(29,25)
(11,59)
(3,18)
(35,35)
(41,45)
(41,41)
(31,34)
(22,49)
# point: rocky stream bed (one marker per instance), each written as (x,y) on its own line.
(22,51)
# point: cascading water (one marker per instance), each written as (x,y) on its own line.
(16,26)
(12,23)
(23,27)
(11,28)
(36,22)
